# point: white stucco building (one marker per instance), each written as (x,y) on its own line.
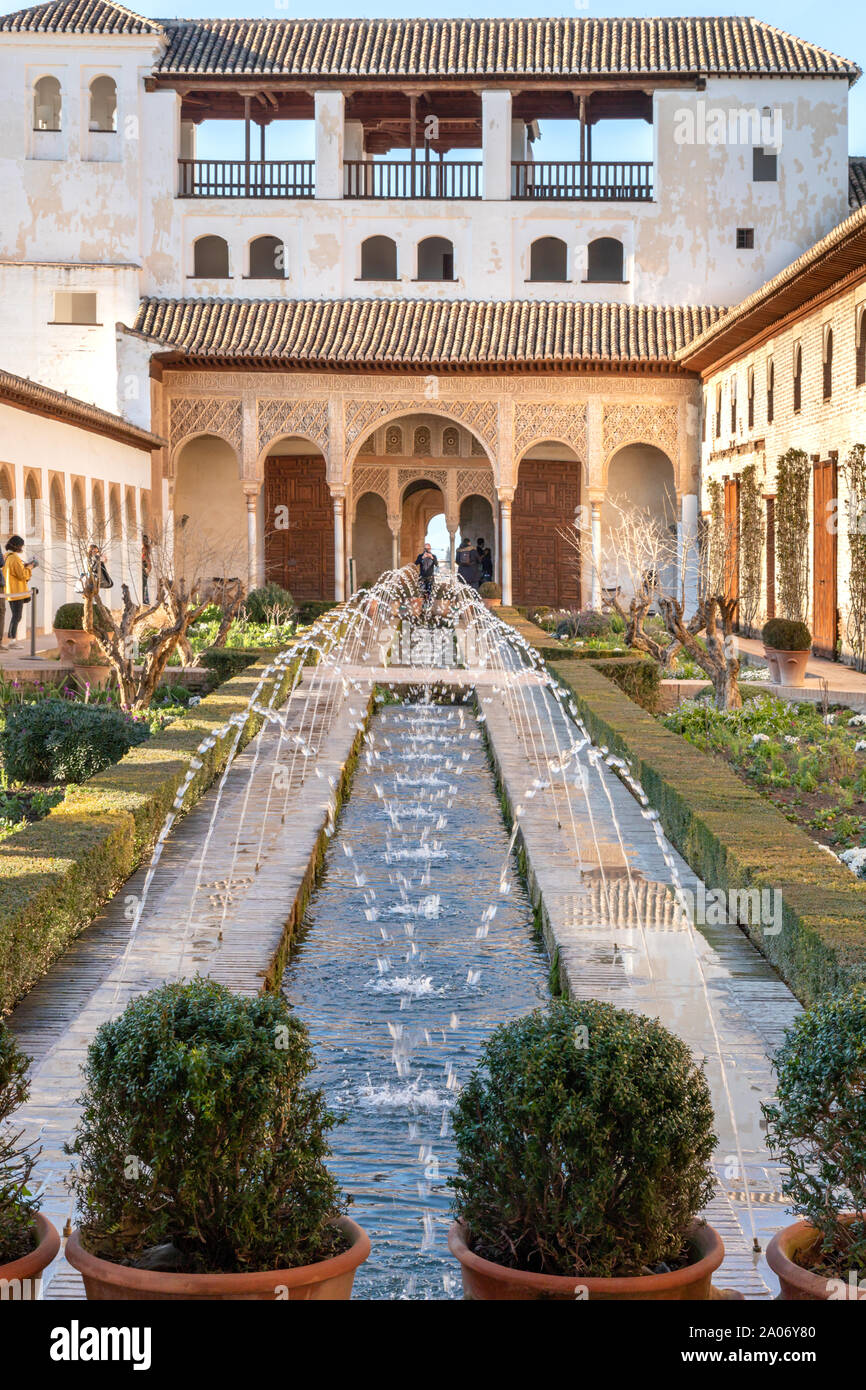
(385,303)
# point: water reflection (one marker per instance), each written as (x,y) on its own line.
(417,942)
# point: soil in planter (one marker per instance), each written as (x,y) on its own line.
(398,991)
(16,1241)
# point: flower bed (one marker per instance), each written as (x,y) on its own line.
(812,767)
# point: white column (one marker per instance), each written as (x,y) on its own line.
(596,557)
(688,552)
(330,136)
(252,497)
(505,548)
(395,549)
(496,144)
(339,552)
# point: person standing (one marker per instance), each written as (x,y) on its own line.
(485,559)
(427,564)
(16,581)
(468,566)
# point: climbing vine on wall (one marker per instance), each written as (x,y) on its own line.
(853,471)
(751,545)
(793,478)
(713,566)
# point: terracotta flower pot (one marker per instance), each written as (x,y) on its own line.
(73,643)
(97,677)
(801,1285)
(493,603)
(770,658)
(25,1272)
(791,666)
(482,1279)
(328,1280)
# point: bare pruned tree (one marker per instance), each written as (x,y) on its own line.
(188,569)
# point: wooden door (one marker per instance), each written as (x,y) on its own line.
(732,538)
(299,526)
(545,567)
(824,595)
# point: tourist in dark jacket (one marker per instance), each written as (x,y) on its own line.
(427,565)
(485,559)
(468,566)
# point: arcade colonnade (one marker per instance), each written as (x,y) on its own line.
(316,477)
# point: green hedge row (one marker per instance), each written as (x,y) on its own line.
(56,873)
(638,676)
(735,839)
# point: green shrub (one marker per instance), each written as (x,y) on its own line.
(311,609)
(588,623)
(197,1131)
(265,604)
(584,1141)
(637,677)
(786,635)
(18,1206)
(226,662)
(817,1126)
(63,741)
(489,589)
(69,616)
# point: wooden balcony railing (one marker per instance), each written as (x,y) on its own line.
(583,180)
(237,178)
(393,178)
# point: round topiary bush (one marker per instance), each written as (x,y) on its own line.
(786,635)
(198,1134)
(70,617)
(489,589)
(269,604)
(592,624)
(18,1206)
(817,1126)
(584,1141)
(65,741)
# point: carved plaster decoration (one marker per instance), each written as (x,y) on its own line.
(280,417)
(422,446)
(478,415)
(536,421)
(393,440)
(645,423)
(450,442)
(471,481)
(207,415)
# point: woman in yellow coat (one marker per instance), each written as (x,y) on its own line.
(16,581)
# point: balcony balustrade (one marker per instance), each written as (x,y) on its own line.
(240,178)
(405,178)
(582,180)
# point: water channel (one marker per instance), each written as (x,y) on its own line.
(416,943)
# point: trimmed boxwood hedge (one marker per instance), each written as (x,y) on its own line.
(734,839)
(56,873)
(637,675)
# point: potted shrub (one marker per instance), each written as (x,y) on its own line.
(584,1141)
(93,670)
(787,647)
(817,1127)
(491,593)
(28,1241)
(202,1156)
(73,643)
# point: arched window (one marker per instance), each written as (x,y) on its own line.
(378,258)
(435,259)
(605,260)
(103,104)
(828,364)
(718,421)
(32,509)
(98,529)
(393,440)
(47,103)
(733,405)
(860,350)
(422,446)
(771,390)
(450,442)
(548,259)
(115,519)
(211,258)
(751,397)
(131,523)
(798,377)
(79,513)
(267,258)
(58,511)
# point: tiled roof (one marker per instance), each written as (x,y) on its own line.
(829,261)
(20,391)
(857,181)
(365,333)
(78,17)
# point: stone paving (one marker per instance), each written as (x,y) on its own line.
(606,887)
(187,925)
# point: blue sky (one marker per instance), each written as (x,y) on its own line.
(840,27)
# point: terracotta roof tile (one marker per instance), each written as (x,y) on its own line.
(419,333)
(857,181)
(20,391)
(78,17)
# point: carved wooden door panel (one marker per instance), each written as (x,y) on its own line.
(299,526)
(824,595)
(545,567)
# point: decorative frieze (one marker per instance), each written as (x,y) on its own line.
(536,421)
(206,415)
(649,422)
(279,417)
